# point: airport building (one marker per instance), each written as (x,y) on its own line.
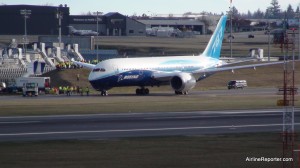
(40,20)
(43,20)
(193,25)
(110,24)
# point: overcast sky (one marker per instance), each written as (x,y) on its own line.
(150,7)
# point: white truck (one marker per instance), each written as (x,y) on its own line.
(30,89)
(236,84)
(43,83)
(2,86)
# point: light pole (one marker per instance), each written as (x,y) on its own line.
(269,41)
(231,37)
(26,14)
(97,18)
(298,16)
(59,16)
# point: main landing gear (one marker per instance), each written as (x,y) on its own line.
(104,93)
(181,93)
(142,91)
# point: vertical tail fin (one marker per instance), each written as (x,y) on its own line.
(71,29)
(213,48)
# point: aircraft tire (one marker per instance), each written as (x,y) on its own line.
(146,91)
(138,91)
(142,91)
(179,93)
(104,93)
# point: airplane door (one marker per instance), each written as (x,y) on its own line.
(141,72)
(116,70)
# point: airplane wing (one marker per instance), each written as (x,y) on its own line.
(166,76)
(86,65)
(231,68)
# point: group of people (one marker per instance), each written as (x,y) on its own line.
(70,90)
(66,65)
(71,65)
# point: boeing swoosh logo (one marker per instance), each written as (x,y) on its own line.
(217,41)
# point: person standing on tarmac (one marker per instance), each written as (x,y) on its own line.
(60,90)
(81,91)
(68,91)
(71,90)
(77,89)
(65,90)
(87,90)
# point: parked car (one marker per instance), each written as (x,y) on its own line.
(250,36)
(2,86)
(235,84)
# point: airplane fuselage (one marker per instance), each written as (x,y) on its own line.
(139,71)
(181,72)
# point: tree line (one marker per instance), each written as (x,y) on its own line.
(274,11)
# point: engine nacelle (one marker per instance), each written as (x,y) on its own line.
(183,82)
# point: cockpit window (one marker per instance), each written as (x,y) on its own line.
(99,70)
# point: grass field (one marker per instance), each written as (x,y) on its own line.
(162,99)
(268,76)
(149,46)
(127,103)
(213,151)
(170,46)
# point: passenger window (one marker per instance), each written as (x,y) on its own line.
(99,70)
(96,70)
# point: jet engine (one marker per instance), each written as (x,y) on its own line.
(182,83)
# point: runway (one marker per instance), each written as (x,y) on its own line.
(112,126)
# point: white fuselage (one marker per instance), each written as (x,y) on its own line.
(181,72)
(189,64)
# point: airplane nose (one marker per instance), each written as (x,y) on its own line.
(92,76)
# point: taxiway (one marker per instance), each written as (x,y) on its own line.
(120,125)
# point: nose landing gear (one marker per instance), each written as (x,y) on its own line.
(181,93)
(142,91)
(104,93)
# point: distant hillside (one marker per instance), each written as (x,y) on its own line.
(68,77)
(268,76)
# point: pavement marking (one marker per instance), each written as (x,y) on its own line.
(20,122)
(138,130)
(212,116)
(155,113)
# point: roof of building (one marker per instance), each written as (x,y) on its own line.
(109,14)
(171,22)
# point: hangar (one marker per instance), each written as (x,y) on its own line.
(181,24)
(41,20)
(110,24)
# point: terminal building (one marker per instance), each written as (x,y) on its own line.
(42,20)
(196,26)
(110,24)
